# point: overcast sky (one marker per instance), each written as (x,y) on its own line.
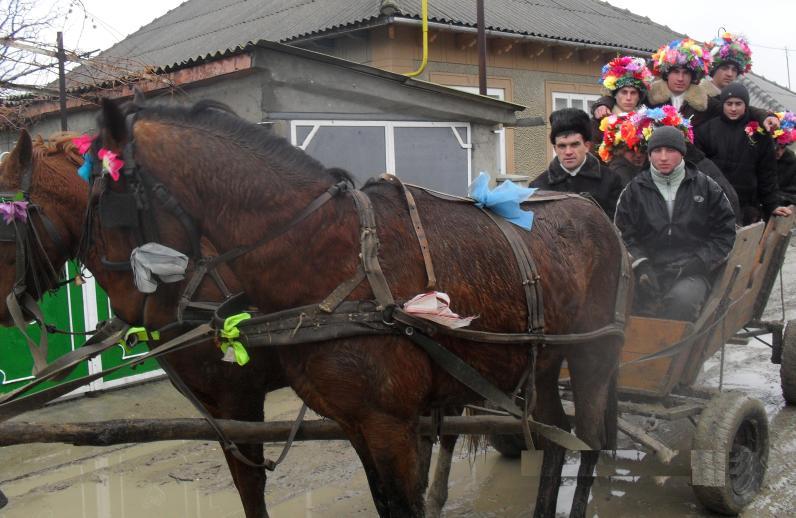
(768,24)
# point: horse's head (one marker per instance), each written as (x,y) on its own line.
(41,212)
(134,205)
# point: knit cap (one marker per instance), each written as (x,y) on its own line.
(667,136)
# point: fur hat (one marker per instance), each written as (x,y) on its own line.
(626,71)
(667,136)
(730,49)
(570,120)
(736,90)
(685,53)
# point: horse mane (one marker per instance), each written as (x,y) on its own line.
(220,120)
(57,143)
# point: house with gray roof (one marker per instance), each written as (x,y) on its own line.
(544,54)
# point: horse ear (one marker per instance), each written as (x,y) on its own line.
(138,97)
(112,122)
(22,154)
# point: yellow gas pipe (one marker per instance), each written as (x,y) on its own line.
(424,62)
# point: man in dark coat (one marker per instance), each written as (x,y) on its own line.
(575,169)
(678,227)
(786,174)
(744,154)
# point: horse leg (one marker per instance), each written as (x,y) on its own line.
(594,390)
(550,411)
(438,492)
(376,491)
(393,446)
(249,480)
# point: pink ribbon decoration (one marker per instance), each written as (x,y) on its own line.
(110,163)
(14,211)
(83,143)
(435,306)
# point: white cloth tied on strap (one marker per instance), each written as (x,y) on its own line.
(153,263)
(435,306)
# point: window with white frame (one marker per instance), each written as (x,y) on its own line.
(500,94)
(436,155)
(568,100)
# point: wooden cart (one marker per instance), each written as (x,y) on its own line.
(661,360)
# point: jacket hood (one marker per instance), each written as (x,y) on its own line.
(695,96)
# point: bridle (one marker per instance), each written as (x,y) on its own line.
(35,273)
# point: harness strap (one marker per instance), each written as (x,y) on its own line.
(106,337)
(339,294)
(420,232)
(316,204)
(226,443)
(472,379)
(369,244)
(528,272)
(39,352)
(19,405)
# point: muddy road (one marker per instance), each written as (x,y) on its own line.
(324,479)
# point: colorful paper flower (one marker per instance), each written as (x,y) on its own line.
(626,71)
(14,211)
(786,134)
(83,143)
(685,53)
(110,163)
(730,48)
(632,131)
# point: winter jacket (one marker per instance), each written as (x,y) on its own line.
(593,178)
(696,157)
(749,165)
(624,169)
(702,223)
(786,177)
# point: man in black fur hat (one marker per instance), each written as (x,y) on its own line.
(575,169)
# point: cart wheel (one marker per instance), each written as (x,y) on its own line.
(732,433)
(787,366)
(510,446)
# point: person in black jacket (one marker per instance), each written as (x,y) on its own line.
(744,154)
(786,174)
(679,229)
(575,169)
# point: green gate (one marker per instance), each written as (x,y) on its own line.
(74,309)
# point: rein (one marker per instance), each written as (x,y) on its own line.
(32,263)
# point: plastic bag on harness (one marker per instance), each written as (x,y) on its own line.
(153,263)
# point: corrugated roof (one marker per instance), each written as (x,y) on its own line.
(768,94)
(198,28)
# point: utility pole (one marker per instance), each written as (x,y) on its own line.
(481,47)
(61,79)
(787,66)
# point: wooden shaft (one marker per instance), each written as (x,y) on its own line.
(122,431)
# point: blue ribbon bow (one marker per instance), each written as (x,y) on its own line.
(504,200)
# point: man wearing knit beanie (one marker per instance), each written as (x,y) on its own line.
(675,256)
(744,153)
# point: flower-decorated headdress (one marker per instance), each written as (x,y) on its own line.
(684,53)
(729,48)
(786,134)
(626,71)
(632,131)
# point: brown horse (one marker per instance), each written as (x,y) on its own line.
(238,182)
(63,196)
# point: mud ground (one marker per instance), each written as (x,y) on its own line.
(324,479)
